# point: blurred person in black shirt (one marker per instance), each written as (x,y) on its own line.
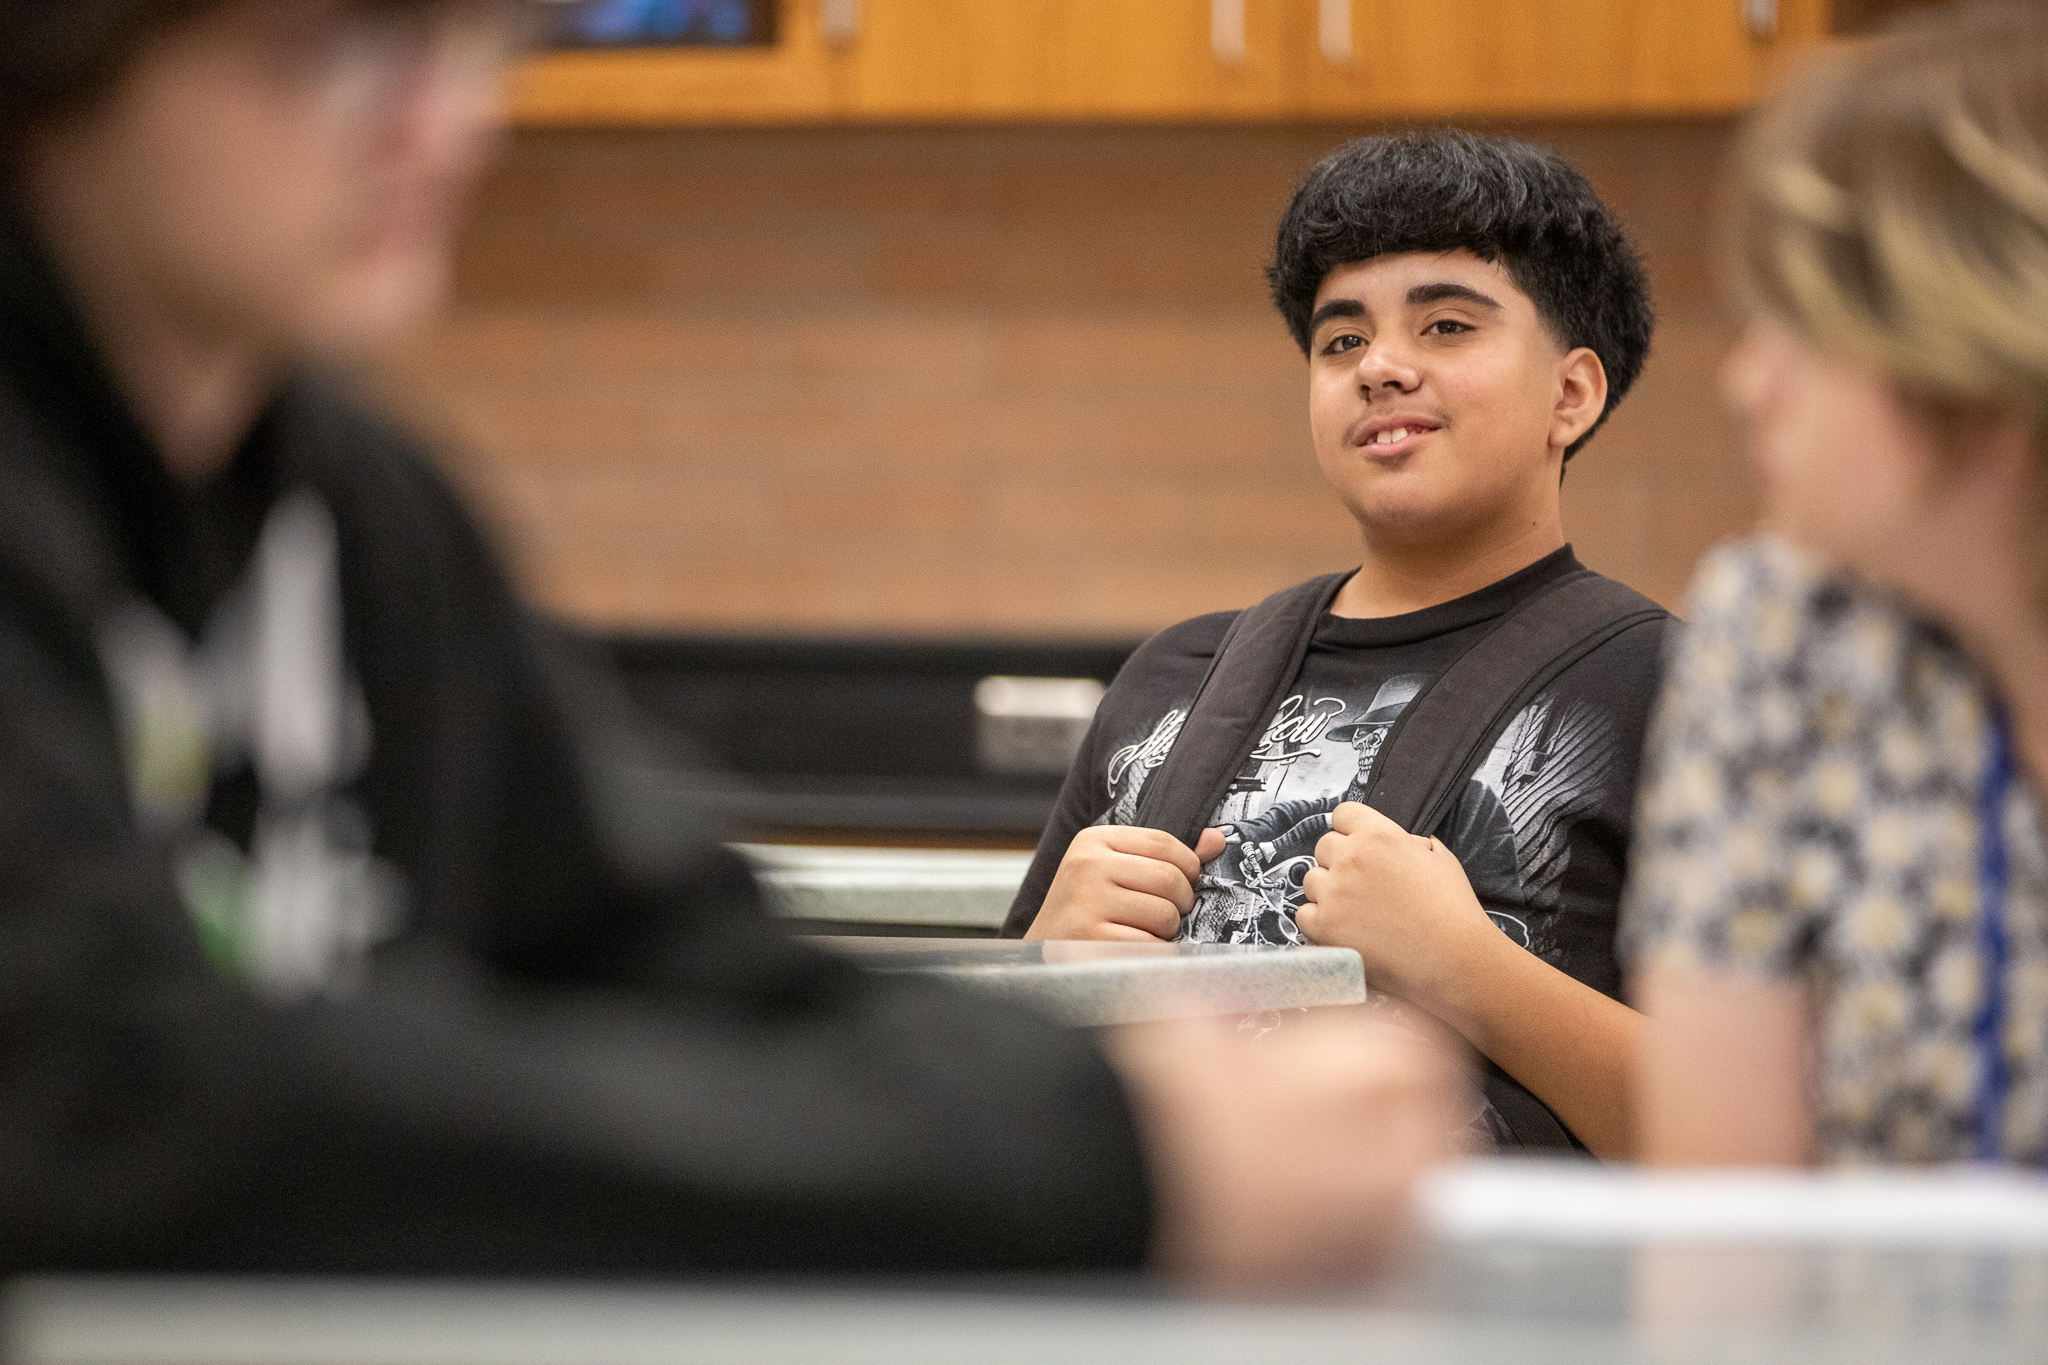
(313,955)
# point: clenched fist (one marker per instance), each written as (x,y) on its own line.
(1400,900)
(1123,882)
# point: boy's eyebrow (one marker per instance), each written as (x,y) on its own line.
(1336,308)
(1435,292)
(1450,289)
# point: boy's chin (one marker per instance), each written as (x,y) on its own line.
(1408,516)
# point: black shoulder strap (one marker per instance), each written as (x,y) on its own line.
(1257,659)
(1445,732)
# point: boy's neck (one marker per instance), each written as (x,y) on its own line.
(1396,579)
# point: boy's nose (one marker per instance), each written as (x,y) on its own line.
(1380,367)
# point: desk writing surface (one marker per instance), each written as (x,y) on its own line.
(1524,1262)
(951,888)
(1123,983)
(1499,1304)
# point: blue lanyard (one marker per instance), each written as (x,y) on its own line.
(1994,1075)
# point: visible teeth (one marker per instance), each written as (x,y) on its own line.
(1387,438)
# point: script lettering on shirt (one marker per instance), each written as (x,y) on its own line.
(1296,725)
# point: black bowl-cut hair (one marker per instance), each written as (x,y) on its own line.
(1501,200)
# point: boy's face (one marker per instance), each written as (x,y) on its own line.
(286,175)
(1445,353)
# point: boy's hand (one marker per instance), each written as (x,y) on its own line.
(1400,900)
(1123,882)
(1335,1116)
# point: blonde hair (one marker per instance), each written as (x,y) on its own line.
(1891,203)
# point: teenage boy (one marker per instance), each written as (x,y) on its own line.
(313,954)
(1470,313)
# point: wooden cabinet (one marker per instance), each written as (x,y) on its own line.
(1073,59)
(971,60)
(1537,57)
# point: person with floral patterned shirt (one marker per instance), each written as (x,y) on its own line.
(1837,915)
(1813,816)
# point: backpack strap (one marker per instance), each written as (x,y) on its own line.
(1446,731)
(1529,1120)
(1253,666)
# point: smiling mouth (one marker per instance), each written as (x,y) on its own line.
(1394,437)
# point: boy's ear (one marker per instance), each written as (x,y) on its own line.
(1581,396)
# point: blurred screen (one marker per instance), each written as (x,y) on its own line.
(660,23)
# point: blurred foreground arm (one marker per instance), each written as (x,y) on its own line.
(1731,884)
(1724,1071)
(1335,1115)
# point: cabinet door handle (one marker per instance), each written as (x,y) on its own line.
(839,20)
(1762,17)
(1333,27)
(1226,31)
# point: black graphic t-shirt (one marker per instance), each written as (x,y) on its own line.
(1542,828)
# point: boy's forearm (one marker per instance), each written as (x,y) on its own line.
(1573,1047)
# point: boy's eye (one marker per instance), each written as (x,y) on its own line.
(1444,327)
(1344,341)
